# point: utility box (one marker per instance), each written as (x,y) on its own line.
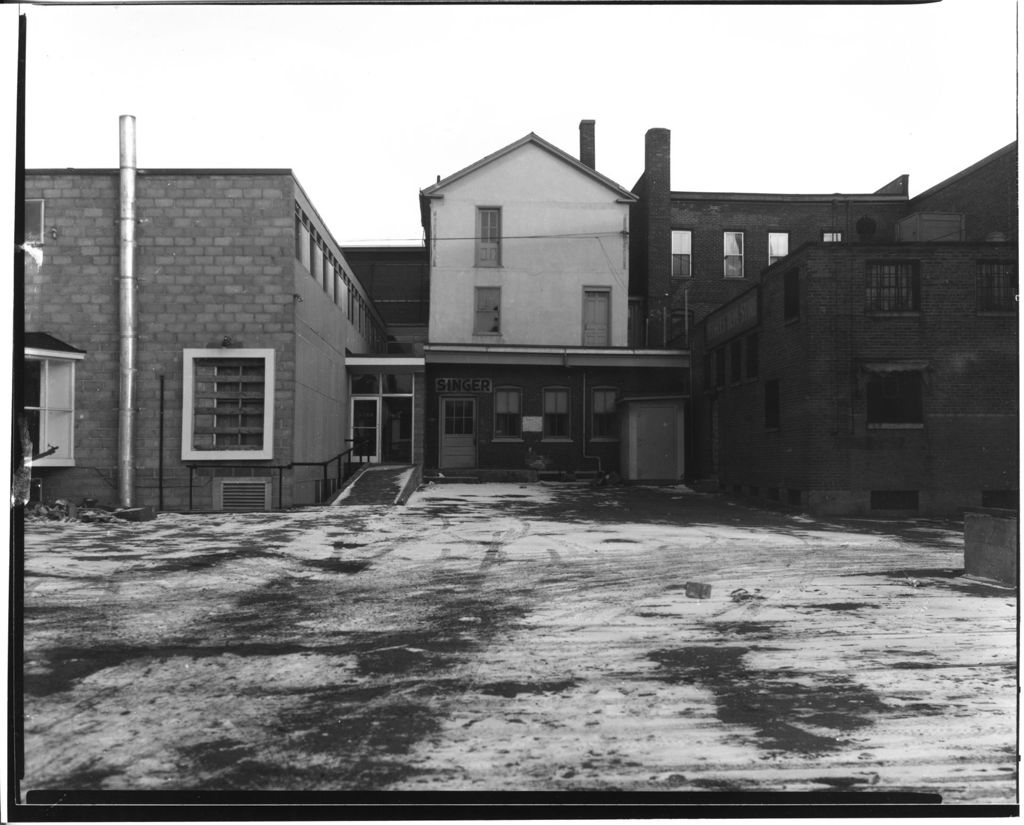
(991,545)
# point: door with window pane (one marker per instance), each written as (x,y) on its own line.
(365,430)
(458,432)
(596,326)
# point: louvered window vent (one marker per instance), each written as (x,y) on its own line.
(241,494)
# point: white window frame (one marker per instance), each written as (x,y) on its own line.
(774,235)
(831,236)
(58,459)
(678,236)
(188,452)
(726,255)
(483,245)
(478,314)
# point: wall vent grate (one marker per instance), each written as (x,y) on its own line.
(242,494)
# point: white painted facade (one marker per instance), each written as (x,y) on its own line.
(564,234)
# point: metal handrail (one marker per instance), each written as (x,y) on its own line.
(282,467)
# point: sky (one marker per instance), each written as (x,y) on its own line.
(369,104)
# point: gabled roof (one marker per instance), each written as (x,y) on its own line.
(43,340)
(536,140)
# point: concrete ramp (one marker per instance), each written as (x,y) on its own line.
(379,485)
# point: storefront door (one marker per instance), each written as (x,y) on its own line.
(458,432)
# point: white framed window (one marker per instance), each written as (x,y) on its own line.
(778,246)
(50,405)
(508,413)
(556,413)
(487,310)
(733,254)
(227,404)
(603,421)
(34,221)
(682,243)
(831,236)
(488,236)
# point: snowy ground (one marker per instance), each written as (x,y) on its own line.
(516,637)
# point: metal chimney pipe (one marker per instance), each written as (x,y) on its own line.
(128,321)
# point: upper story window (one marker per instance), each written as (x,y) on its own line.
(997,286)
(228,404)
(893,286)
(556,413)
(831,236)
(791,295)
(682,241)
(34,221)
(50,406)
(894,399)
(488,236)
(603,419)
(778,246)
(596,317)
(733,254)
(508,412)
(487,317)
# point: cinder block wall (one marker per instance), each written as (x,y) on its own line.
(214,259)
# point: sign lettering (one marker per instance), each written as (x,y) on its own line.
(727,322)
(481,385)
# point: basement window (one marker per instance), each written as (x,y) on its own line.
(228,404)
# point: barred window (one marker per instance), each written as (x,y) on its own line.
(508,417)
(997,286)
(893,286)
(228,404)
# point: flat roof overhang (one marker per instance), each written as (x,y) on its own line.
(396,365)
(557,356)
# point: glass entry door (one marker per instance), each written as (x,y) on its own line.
(365,430)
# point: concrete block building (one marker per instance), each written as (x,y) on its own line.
(878,375)
(247,313)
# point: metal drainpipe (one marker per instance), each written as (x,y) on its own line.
(127,306)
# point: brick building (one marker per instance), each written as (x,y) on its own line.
(694,251)
(247,314)
(878,375)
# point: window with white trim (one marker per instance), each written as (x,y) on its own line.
(682,243)
(733,254)
(778,246)
(488,237)
(603,421)
(50,406)
(487,314)
(831,236)
(228,404)
(508,412)
(556,413)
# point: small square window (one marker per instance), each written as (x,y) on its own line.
(831,236)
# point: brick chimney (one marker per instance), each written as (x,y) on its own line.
(587,143)
(658,231)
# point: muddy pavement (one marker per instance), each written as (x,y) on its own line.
(516,637)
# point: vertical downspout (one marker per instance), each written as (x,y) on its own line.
(127,314)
